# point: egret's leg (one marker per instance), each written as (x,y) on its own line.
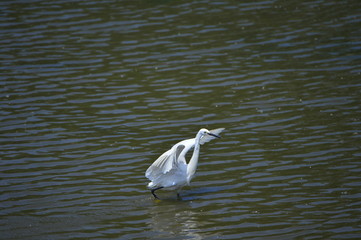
(153,190)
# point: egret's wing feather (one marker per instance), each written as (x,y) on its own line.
(172,161)
(168,170)
(158,165)
(178,151)
(207,138)
(165,163)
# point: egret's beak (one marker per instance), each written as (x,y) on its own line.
(214,135)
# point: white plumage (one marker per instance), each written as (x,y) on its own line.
(171,170)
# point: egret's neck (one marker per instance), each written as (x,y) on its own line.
(192,165)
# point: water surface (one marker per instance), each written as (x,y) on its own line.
(93,92)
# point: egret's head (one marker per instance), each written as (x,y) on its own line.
(204,132)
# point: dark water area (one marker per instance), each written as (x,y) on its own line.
(92,92)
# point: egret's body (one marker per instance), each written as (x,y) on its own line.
(171,170)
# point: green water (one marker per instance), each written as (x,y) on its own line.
(92,92)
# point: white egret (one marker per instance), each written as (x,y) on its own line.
(171,170)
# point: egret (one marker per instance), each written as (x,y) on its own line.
(171,171)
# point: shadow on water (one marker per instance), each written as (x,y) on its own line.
(174,218)
(190,193)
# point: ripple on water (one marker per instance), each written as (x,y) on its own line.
(93,93)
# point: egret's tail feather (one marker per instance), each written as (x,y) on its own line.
(151,185)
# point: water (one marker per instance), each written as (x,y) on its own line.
(92,92)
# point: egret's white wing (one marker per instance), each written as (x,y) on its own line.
(207,138)
(165,163)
